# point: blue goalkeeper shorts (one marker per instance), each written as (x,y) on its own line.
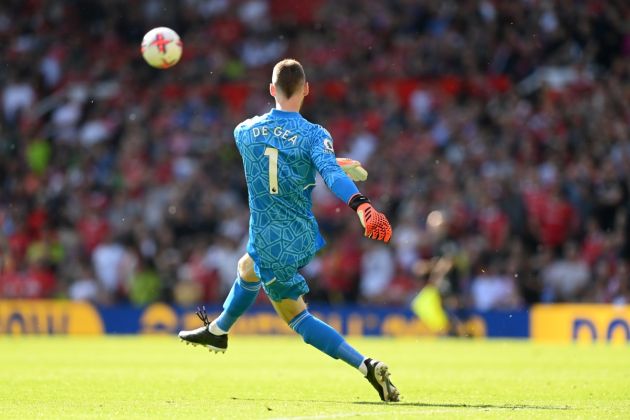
(283,281)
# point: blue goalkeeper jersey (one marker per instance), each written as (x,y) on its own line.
(281,153)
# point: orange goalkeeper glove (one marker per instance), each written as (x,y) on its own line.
(376,225)
(353,169)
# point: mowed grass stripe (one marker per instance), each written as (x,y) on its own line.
(281,377)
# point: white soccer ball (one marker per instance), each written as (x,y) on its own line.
(161,47)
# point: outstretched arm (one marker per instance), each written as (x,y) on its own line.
(322,153)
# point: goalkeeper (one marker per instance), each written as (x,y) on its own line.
(281,153)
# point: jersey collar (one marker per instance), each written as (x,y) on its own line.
(284,114)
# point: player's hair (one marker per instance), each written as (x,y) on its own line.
(288,75)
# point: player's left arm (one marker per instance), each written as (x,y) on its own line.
(323,156)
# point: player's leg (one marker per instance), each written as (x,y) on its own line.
(317,333)
(242,295)
(322,336)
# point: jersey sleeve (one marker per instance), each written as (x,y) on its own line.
(323,156)
(237,130)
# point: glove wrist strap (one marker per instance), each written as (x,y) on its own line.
(356,200)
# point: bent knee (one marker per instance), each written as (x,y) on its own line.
(246,269)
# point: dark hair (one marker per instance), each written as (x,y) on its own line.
(288,75)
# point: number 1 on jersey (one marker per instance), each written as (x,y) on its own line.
(273,169)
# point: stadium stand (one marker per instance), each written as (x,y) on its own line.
(496,135)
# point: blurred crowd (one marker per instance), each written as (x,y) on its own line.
(496,135)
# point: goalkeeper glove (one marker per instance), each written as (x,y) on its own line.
(353,169)
(376,225)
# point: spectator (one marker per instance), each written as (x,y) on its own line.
(112,265)
(478,140)
(565,279)
(85,287)
(492,289)
(377,273)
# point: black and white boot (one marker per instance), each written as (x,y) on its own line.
(202,335)
(378,375)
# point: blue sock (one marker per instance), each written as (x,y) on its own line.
(324,337)
(241,297)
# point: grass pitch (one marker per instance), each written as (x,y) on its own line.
(280,377)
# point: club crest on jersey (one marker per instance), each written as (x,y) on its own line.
(328,145)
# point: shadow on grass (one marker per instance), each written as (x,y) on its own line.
(463,405)
(421,404)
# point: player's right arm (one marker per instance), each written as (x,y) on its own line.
(323,156)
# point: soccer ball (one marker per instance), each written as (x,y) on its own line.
(161,47)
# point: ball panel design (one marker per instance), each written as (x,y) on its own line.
(161,47)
